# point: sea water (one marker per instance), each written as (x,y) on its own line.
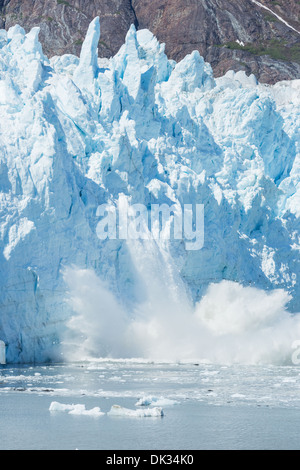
(204,406)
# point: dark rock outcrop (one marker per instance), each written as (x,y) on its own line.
(271,49)
(64,23)
(267,47)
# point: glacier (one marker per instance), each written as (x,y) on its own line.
(78,132)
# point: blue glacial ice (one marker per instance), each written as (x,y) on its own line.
(76,133)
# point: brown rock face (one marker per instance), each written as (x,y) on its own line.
(267,47)
(64,23)
(289,10)
(271,48)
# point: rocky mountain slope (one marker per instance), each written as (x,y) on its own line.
(268,43)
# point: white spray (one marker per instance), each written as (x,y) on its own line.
(231,323)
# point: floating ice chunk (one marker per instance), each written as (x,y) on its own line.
(117,410)
(75,409)
(55,406)
(144,401)
(164,402)
(80,410)
(157,401)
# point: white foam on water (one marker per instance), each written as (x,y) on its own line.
(230,324)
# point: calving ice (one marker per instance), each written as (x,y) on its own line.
(79,135)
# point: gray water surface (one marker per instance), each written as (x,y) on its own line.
(216,407)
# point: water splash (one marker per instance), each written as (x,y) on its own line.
(231,323)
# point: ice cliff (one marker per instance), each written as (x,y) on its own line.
(77,132)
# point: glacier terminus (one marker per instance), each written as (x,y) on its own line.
(78,132)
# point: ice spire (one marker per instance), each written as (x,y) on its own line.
(88,65)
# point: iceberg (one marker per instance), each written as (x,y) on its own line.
(117,410)
(76,133)
(157,401)
(78,410)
